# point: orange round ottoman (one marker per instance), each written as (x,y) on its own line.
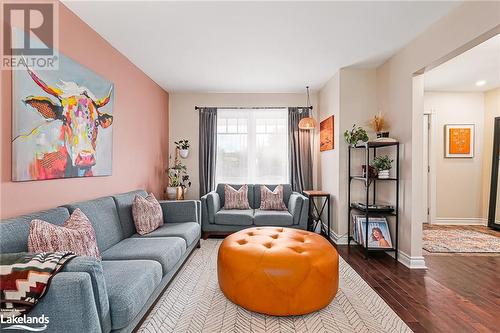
(278,271)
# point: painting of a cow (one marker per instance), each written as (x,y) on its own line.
(60,130)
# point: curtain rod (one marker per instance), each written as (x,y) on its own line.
(254,107)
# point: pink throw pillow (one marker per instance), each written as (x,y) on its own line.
(236,199)
(76,234)
(147,213)
(272,200)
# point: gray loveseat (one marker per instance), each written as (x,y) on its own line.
(217,220)
(113,294)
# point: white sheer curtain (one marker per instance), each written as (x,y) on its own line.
(252,146)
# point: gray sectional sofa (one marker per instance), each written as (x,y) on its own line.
(217,220)
(113,294)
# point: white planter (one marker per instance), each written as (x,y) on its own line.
(171,193)
(184,153)
(383,174)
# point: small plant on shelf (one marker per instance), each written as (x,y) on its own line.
(178,180)
(183,147)
(356,134)
(382,164)
(379,124)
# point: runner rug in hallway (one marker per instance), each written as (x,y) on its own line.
(460,239)
(194,303)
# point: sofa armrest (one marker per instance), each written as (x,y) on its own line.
(69,304)
(180,211)
(211,205)
(296,206)
(93,268)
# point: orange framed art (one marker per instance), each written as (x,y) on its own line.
(326,139)
(459,141)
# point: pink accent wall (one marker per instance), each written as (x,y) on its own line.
(140,129)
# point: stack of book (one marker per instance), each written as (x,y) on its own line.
(379,235)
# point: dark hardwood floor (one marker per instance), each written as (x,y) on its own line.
(455,294)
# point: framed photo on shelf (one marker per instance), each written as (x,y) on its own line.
(379,235)
(459,141)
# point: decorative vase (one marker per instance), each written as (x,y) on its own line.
(184,153)
(179,193)
(171,192)
(382,135)
(383,174)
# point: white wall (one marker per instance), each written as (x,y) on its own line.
(351,96)
(183,120)
(397,98)
(459,181)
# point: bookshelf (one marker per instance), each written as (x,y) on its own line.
(370,185)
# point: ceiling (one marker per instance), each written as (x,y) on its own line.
(460,74)
(255,46)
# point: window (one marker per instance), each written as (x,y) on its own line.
(252,146)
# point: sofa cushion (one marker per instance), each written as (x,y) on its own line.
(130,283)
(220,191)
(76,235)
(14,232)
(236,199)
(272,200)
(189,231)
(272,217)
(167,251)
(124,206)
(287,192)
(103,215)
(234,217)
(147,213)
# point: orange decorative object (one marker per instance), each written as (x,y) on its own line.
(278,271)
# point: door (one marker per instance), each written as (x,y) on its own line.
(494,209)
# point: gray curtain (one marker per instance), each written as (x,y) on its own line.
(301,175)
(208,148)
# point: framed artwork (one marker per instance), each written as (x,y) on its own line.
(379,235)
(326,134)
(459,141)
(61,122)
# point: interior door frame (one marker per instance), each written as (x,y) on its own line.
(494,176)
(429,167)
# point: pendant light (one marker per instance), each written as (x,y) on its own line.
(308,122)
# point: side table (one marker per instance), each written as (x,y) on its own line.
(322,199)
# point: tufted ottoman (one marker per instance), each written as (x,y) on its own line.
(278,271)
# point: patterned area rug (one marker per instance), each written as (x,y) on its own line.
(460,239)
(194,303)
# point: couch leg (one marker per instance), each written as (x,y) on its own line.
(198,245)
(205,235)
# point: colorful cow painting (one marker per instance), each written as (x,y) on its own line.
(58,129)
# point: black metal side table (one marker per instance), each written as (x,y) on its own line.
(315,212)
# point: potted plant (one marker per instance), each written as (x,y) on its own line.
(356,134)
(183,147)
(382,164)
(178,181)
(379,125)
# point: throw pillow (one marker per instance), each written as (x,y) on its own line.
(76,234)
(272,200)
(236,199)
(147,214)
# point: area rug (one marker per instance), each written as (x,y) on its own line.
(194,303)
(458,239)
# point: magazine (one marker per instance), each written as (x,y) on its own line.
(379,235)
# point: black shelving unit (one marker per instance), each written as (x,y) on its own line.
(371,182)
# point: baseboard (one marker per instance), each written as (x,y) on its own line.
(411,262)
(339,240)
(460,221)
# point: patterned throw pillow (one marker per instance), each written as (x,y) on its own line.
(76,234)
(147,214)
(272,200)
(236,199)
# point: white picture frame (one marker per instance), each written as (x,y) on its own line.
(459,140)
